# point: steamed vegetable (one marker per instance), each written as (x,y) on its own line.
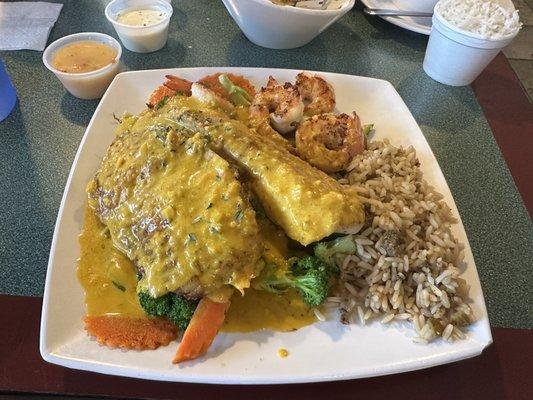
(326,251)
(367,128)
(237,94)
(176,309)
(204,326)
(309,276)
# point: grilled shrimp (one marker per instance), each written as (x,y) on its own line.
(282,103)
(329,141)
(205,95)
(317,94)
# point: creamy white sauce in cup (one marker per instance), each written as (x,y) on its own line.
(142,25)
(144,17)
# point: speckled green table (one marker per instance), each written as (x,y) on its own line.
(39,140)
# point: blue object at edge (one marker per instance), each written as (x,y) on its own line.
(8,95)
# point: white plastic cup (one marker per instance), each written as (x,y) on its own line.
(456,57)
(86,85)
(140,39)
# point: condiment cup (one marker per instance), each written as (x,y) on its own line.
(86,85)
(140,39)
(281,27)
(456,57)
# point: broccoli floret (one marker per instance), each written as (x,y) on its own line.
(176,309)
(326,251)
(309,276)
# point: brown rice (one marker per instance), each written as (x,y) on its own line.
(407,263)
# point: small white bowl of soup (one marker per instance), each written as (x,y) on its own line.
(142,25)
(85,63)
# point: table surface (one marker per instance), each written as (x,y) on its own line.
(39,140)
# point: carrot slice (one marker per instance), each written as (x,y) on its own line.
(204,325)
(130,333)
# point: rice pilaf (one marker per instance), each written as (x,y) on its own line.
(407,263)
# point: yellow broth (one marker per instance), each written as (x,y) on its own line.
(83,56)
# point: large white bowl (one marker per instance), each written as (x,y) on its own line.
(281,27)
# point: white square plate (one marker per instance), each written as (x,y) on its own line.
(320,352)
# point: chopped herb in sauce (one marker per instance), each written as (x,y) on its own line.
(239,215)
(191,237)
(118,286)
(197,219)
(209,206)
(214,230)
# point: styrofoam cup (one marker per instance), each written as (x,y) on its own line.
(86,85)
(140,39)
(456,57)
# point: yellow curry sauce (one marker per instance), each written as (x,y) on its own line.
(262,310)
(108,277)
(176,208)
(101,264)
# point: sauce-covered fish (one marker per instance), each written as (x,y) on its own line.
(177,210)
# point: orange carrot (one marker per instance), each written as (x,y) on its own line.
(204,325)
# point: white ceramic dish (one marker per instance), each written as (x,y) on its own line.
(416,5)
(414,24)
(87,85)
(344,352)
(281,27)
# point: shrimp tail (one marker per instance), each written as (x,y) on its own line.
(204,326)
(178,84)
